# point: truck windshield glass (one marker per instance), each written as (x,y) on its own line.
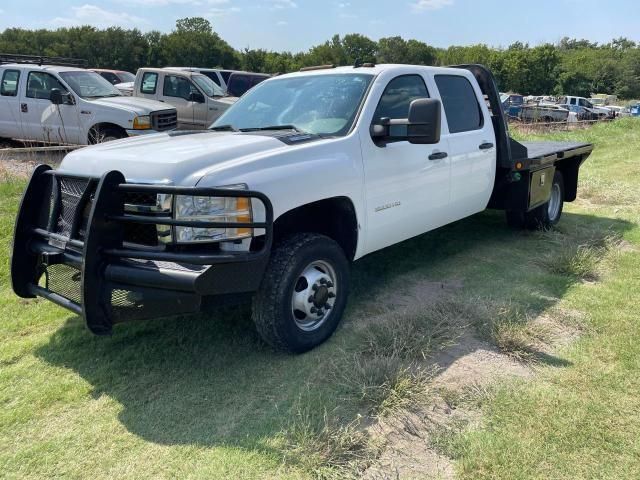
(318,104)
(89,84)
(208,87)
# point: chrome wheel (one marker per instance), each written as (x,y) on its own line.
(554,202)
(314,295)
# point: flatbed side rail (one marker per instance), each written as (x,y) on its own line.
(50,232)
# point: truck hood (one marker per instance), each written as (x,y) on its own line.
(137,106)
(179,158)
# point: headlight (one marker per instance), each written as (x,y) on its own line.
(213,209)
(142,123)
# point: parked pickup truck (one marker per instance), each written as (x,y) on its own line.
(66,104)
(304,174)
(198,99)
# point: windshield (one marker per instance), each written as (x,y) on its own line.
(126,77)
(209,88)
(318,104)
(89,84)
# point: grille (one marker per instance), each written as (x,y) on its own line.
(164,120)
(146,199)
(71,190)
(141,234)
(127,305)
(64,280)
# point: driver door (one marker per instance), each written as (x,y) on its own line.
(42,120)
(176,91)
(407,185)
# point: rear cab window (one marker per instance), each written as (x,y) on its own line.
(9,83)
(460,102)
(149,83)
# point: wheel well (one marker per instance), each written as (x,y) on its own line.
(103,127)
(333,217)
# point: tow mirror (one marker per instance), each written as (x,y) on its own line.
(196,97)
(56,96)
(421,127)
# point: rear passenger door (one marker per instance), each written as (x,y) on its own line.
(10,121)
(407,185)
(471,141)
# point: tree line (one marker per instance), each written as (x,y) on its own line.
(576,67)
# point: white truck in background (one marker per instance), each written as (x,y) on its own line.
(306,173)
(54,103)
(197,98)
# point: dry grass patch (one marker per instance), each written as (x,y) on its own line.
(578,258)
(510,328)
(326,449)
(416,335)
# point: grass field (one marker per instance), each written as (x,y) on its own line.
(201,397)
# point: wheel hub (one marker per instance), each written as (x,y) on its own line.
(554,202)
(314,296)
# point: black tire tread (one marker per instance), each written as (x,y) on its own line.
(264,310)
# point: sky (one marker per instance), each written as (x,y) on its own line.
(296,25)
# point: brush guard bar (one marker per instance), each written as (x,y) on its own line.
(99,276)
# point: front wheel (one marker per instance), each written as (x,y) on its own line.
(303,293)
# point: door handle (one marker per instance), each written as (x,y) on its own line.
(438,156)
(486,146)
(24,108)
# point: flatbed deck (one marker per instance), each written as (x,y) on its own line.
(541,153)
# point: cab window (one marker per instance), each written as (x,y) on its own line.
(179,87)
(9,86)
(40,84)
(149,82)
(460,103)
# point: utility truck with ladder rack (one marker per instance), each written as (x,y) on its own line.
(305,174)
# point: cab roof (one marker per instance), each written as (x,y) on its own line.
(44,68)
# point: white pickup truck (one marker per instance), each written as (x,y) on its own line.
(304,174)
(71,105)
(197,98)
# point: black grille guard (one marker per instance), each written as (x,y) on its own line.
(107,266)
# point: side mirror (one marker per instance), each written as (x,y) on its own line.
(422,127)
(424,121)
(56,96)
(196,97)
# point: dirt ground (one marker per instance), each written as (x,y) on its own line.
(468,368)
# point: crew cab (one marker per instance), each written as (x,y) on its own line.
(66,104)
(305,174)
(197,98)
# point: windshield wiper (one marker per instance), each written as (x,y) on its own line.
(225,128)
(273,127)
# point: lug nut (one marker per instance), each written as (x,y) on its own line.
(320,313)
(327,306)
(314,287)
(311,299)
(314,309)
(323,281)
(332,295)
(330,284)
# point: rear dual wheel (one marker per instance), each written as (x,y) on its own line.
(545,216)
